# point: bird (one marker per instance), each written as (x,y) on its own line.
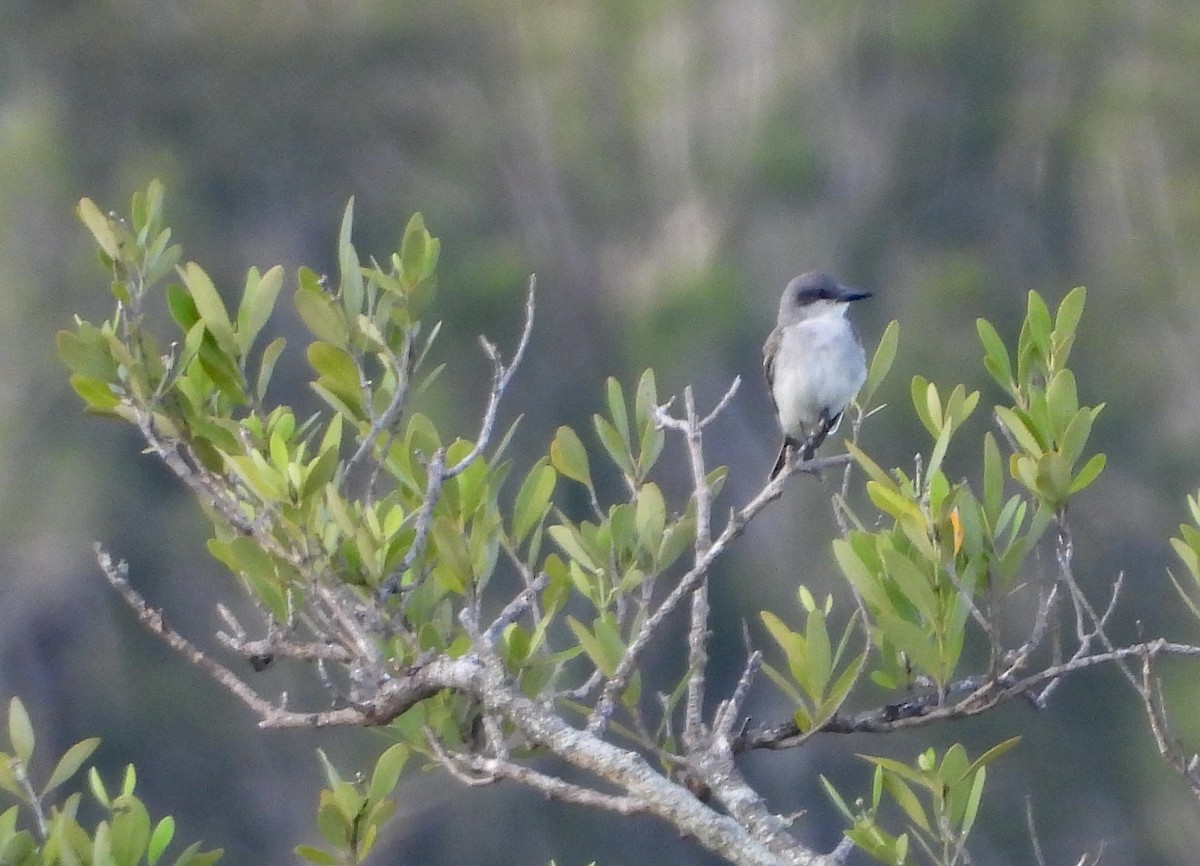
(813,361)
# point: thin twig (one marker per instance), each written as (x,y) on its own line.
(394,696)
(435,474)
(984,694)
(480,770)
(1090,627)
(278,645)
(731,709)
(515,609)
(501,376)
(1033,835)
(723,402)
(17,767)
(400,369)
(1169,748)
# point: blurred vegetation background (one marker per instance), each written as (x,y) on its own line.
(664,167)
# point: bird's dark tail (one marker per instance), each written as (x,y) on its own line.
(809,446)
(788,442)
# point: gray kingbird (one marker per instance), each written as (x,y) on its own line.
(813,361)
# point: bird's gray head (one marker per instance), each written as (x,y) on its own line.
(815,294)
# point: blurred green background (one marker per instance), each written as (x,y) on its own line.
(664,167)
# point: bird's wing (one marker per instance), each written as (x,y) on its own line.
(770,353)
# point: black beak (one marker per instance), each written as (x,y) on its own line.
(849,295)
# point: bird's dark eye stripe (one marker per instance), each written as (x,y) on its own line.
(807,296)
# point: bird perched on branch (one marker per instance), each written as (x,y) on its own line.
(813,361)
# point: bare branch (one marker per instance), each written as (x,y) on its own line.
(723,402)
(1169,747)
(983,695)
(501,376)
(435,474)
(394,697)
(731,709)
(1090,627)
(480,770)
(1033,836)
(278,645)
(400,369)
(715,766)
(515,609)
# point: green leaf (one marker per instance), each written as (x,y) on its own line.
(1089,473)
(349,266)
(1193,503)
(820,654)
(616,447)
(337,372)
(596,649)
(1020,428)
(1062,402)
(995,356)
(572,544)
(1037,318)
(939,452)
(646,402)
(892,501)
(651,517)
(907,800)
(86,353)
(993,754)
(20,731)
(100,227)
(101,848)
(1187,599)
(933,406)
(68,765)
(993,481)
(913,640)
(182,307)
(1070,310)
(650,446)
(96,785)
(874,471)
(860,576)
(266,365)
(130,830)
(211,309)
(258,302)
(316,855)
(163,833)
(453,571)
(794,646)
(920,391)
(418,252)
(98,395)
(192,856)
(960,405)
(971,808)
(533,499)
(320,471)
(911,581)
(901,769)
(387,771)
(837,799)
(881,362)
(323,318)
(676,538)
(617,411)
(569,457)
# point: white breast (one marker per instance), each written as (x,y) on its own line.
(820,367)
